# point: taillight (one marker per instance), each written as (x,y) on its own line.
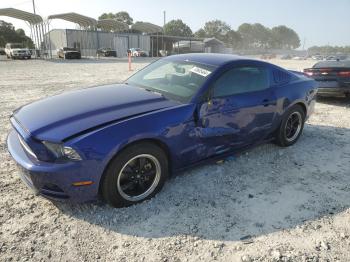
(344,73)
(308,73)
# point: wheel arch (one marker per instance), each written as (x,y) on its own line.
(287,105)
(303,106)
(162,145)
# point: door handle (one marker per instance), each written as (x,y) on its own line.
(267,102)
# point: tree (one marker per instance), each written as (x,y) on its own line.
(262,36)
(234,39)
(245,30)
(284,37)
(217,29)
(120,16)
(107,16)
(177,28)
(8,34)
(200,33)
(124,17)
(255,36)
(221,31)
(328,50)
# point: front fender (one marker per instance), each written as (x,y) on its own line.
(169,126)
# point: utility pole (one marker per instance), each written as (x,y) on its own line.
(34,6)
(164,22)
(164,15)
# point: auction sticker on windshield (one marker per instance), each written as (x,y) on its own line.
(200,71)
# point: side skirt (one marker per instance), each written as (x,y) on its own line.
(223,156)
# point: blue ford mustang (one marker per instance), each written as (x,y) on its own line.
(120,142)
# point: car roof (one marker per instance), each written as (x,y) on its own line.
(208,58)
(340,63)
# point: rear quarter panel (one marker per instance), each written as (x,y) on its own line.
(300,90)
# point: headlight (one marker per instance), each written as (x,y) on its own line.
(62,152)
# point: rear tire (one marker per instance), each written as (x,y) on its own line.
(291,126)
(134,175)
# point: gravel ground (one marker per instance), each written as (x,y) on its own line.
(268,204)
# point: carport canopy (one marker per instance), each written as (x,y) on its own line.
(22,15)
(81,20)
(148,28)
(213,41)
(112,25)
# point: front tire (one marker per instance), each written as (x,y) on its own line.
(291,126)
(134,175)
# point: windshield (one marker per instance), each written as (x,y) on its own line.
(173,79)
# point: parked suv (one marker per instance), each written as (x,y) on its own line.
(68,53)
(106,52)
(15,50)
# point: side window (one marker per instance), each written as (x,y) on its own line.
(241,80)
(280,77)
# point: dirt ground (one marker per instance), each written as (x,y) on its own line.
(269,204)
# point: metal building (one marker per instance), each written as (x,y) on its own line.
(89,41)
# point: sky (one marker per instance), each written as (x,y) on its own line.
(318,22)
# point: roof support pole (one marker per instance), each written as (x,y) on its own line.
(97,43)
(43,37)
(49,34)
(36,40)
(31,33)
(157,45)
(41,40)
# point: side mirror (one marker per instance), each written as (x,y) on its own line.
(203,108)
(207,102)
(201,112)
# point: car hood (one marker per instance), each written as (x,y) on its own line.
(62,116)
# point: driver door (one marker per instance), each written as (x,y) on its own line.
(240,112)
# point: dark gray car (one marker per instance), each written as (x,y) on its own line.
(333,77)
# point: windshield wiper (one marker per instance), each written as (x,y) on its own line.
(145,88)
(153,91)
